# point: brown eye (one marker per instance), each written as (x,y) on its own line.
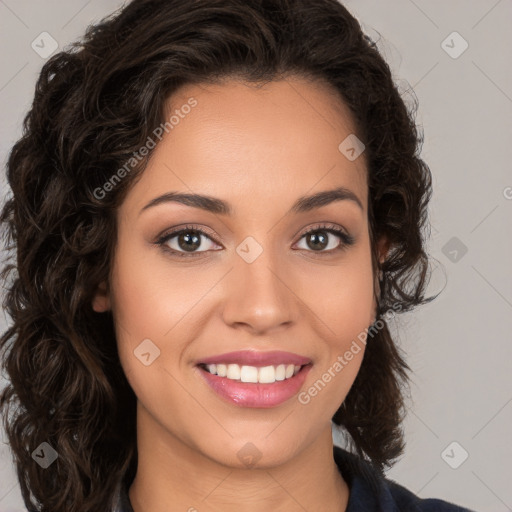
(322,239)
(317,240)
(186,242)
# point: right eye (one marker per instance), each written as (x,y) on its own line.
(188,240)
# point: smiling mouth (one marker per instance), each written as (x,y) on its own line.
(254,374)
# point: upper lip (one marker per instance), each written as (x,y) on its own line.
(254,358)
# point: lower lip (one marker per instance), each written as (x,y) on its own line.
(254,394)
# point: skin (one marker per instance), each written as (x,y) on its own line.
(259,150)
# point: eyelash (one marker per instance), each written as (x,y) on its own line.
(347,240)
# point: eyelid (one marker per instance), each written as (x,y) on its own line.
(324,226)
(187,227)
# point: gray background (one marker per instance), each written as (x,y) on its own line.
(459,347)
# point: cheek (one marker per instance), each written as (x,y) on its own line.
(343,300)
(148,299)
(342,295)
(146,309)
(152,302)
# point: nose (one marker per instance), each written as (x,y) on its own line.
(260,296)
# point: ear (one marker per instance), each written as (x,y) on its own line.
(383,246)
(101,299)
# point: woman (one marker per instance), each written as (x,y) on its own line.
(215,208)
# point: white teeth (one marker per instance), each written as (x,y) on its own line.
(262,374)
(267,375)
(221,370)
(233,372)
(280,372)
(249,374)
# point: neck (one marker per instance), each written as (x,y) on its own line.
(172,475)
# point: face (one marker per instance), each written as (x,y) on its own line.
(244,276)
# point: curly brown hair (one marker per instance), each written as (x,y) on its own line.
(95,104)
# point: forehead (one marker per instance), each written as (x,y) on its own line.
(279,140)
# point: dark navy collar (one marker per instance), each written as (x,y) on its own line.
(370,491)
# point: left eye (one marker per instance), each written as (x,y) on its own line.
(322,239)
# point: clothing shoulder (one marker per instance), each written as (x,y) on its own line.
(371,491)
(408,501)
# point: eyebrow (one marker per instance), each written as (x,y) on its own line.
(218,206)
